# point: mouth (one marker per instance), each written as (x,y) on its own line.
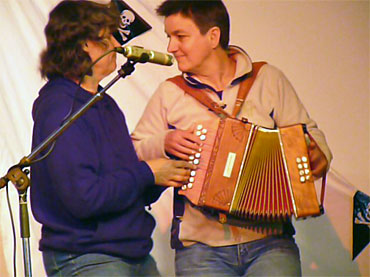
(179,57)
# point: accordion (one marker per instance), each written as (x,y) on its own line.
(250,172)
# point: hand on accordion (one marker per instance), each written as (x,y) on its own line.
(169,172)
(182,143)
(318,161)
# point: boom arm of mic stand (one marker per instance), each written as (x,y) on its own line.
(15,176)
(19,177)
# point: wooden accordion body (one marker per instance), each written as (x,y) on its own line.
(251,172)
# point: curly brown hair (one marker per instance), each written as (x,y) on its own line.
(71,24)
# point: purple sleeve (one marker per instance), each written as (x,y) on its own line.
(75,168)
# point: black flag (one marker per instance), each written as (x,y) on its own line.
(361,222)
(131,24)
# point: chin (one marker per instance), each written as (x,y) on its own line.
(183,68)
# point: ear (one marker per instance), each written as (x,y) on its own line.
(214,34)
(85,46)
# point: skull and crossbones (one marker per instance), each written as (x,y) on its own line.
(127,17)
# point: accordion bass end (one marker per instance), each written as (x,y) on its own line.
(251,172)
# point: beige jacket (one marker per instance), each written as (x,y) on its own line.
(271,94)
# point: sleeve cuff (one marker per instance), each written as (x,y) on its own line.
(145,175)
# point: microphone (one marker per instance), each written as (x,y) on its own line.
(139,54)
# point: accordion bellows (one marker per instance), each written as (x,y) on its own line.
(251,172)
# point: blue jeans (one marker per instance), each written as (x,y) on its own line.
(67,264)
(271,256)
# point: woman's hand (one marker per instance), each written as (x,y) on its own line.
(182,143)
(170,173)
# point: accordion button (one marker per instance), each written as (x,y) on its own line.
(202,137)
(191,180)
(307,171)
(298,160)
(200,127)
(300,166)
(184,187)
(197,155)
(301,172)
(204,131)
(304,159)
(198,133)
(196,161)
(307,177)
(191,158)
(302,179)
(193,173)
(190,185)
(305,165)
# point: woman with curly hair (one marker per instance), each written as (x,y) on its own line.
(90,193)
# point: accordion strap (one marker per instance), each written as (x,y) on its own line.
(245,86)
(323,186)
(203,98)
(200,95)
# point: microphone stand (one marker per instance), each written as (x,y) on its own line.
(18,175)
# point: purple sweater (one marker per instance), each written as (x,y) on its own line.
(90,193)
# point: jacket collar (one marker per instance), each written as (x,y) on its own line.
(243,67)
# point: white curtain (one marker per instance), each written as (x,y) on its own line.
(22,23)
(309,40)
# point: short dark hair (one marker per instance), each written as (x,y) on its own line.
(205,14)
(71,23)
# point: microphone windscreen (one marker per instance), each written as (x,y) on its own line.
(131,24)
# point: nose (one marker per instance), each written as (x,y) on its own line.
(172,46)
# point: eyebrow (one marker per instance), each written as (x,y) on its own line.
(177,32)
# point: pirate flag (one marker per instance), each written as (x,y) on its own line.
(361,222)
(131,24)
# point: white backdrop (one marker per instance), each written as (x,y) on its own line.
(323,48)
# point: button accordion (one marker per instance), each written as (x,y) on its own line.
(250,172)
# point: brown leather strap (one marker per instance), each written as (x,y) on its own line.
(203,98)
(323,182)
(245,86)
(200,95)
(322,196)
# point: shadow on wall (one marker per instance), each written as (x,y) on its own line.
(326,242)
(162,252)
(322,252)
(3,268)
